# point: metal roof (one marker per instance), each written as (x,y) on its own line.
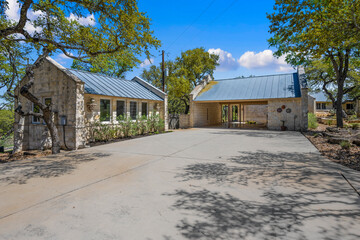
(251,88)
(100,84)
(320,97)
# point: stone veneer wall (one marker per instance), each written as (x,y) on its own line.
(65,94)
(205,114)
(292,120)
(257,113)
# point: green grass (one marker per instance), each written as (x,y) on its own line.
(312,121)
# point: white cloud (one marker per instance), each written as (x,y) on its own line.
(226,60)
(13,12)
(147,63)
(264,59)
(89,20)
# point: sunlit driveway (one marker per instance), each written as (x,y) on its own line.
(189,184)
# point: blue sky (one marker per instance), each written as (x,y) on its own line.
(236,30)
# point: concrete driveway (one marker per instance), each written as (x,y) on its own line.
(190,184)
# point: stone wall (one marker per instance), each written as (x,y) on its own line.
(50,82)
(312,104)
(257,113)
(184,121)
(292,119)
(205,114)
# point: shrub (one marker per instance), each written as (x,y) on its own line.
(352,117)
(345,145)
(355,126)
(329,122)
(312,121)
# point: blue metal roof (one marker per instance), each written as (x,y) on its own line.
(320,97)
(101,84)
(251,88)
(323,97)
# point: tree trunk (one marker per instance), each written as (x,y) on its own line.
(49,118)
(339,110)
(187,108)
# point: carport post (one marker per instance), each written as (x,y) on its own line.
(228,115)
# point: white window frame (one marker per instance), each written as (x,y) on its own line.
(110,110)
(147,109)
(125,113)
(136,104)
(33,117)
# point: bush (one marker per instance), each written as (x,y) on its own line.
(345,145)
(312,121)
(126,127)
(6,121)
(355,126)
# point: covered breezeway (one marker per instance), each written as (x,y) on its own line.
(248,115)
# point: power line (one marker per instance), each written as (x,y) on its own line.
(202,13)
(216,18)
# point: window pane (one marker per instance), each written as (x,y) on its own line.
(47,101)
(324,106)
(120,109)
(144,110)
(133,110)
(36,109)
(104,110)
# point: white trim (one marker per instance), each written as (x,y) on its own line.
(32,117)
(136,111)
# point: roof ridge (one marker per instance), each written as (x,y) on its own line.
(96,73)
(238,78)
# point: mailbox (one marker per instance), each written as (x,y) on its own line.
(63,120)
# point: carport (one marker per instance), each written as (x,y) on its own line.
(277,102)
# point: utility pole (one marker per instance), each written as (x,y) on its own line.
(163,70)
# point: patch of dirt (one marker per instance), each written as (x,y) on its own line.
(8,157)
(347,157)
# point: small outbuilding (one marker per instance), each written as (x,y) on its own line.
(79,98)
(277,102)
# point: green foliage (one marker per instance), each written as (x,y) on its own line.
(312,121)
(355,126)
(125,127)
(352,117)
(325,30)
(114,65)
(184,74)
(345,145)
(329,122)
(6,121)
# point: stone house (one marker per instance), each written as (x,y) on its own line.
(324,104)
(273,102)
(79,98)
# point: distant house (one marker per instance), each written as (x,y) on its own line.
(79,98)
(274,101)
(324,104)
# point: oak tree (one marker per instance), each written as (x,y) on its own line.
(306,30)
(82,30)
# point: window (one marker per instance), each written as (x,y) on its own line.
(120,109)
(133,110)
(144,109)
(349,106)
(47,101)
(104,110)
(320,105)
(36,109)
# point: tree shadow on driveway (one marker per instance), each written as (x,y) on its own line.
(294,192)
(19,172)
